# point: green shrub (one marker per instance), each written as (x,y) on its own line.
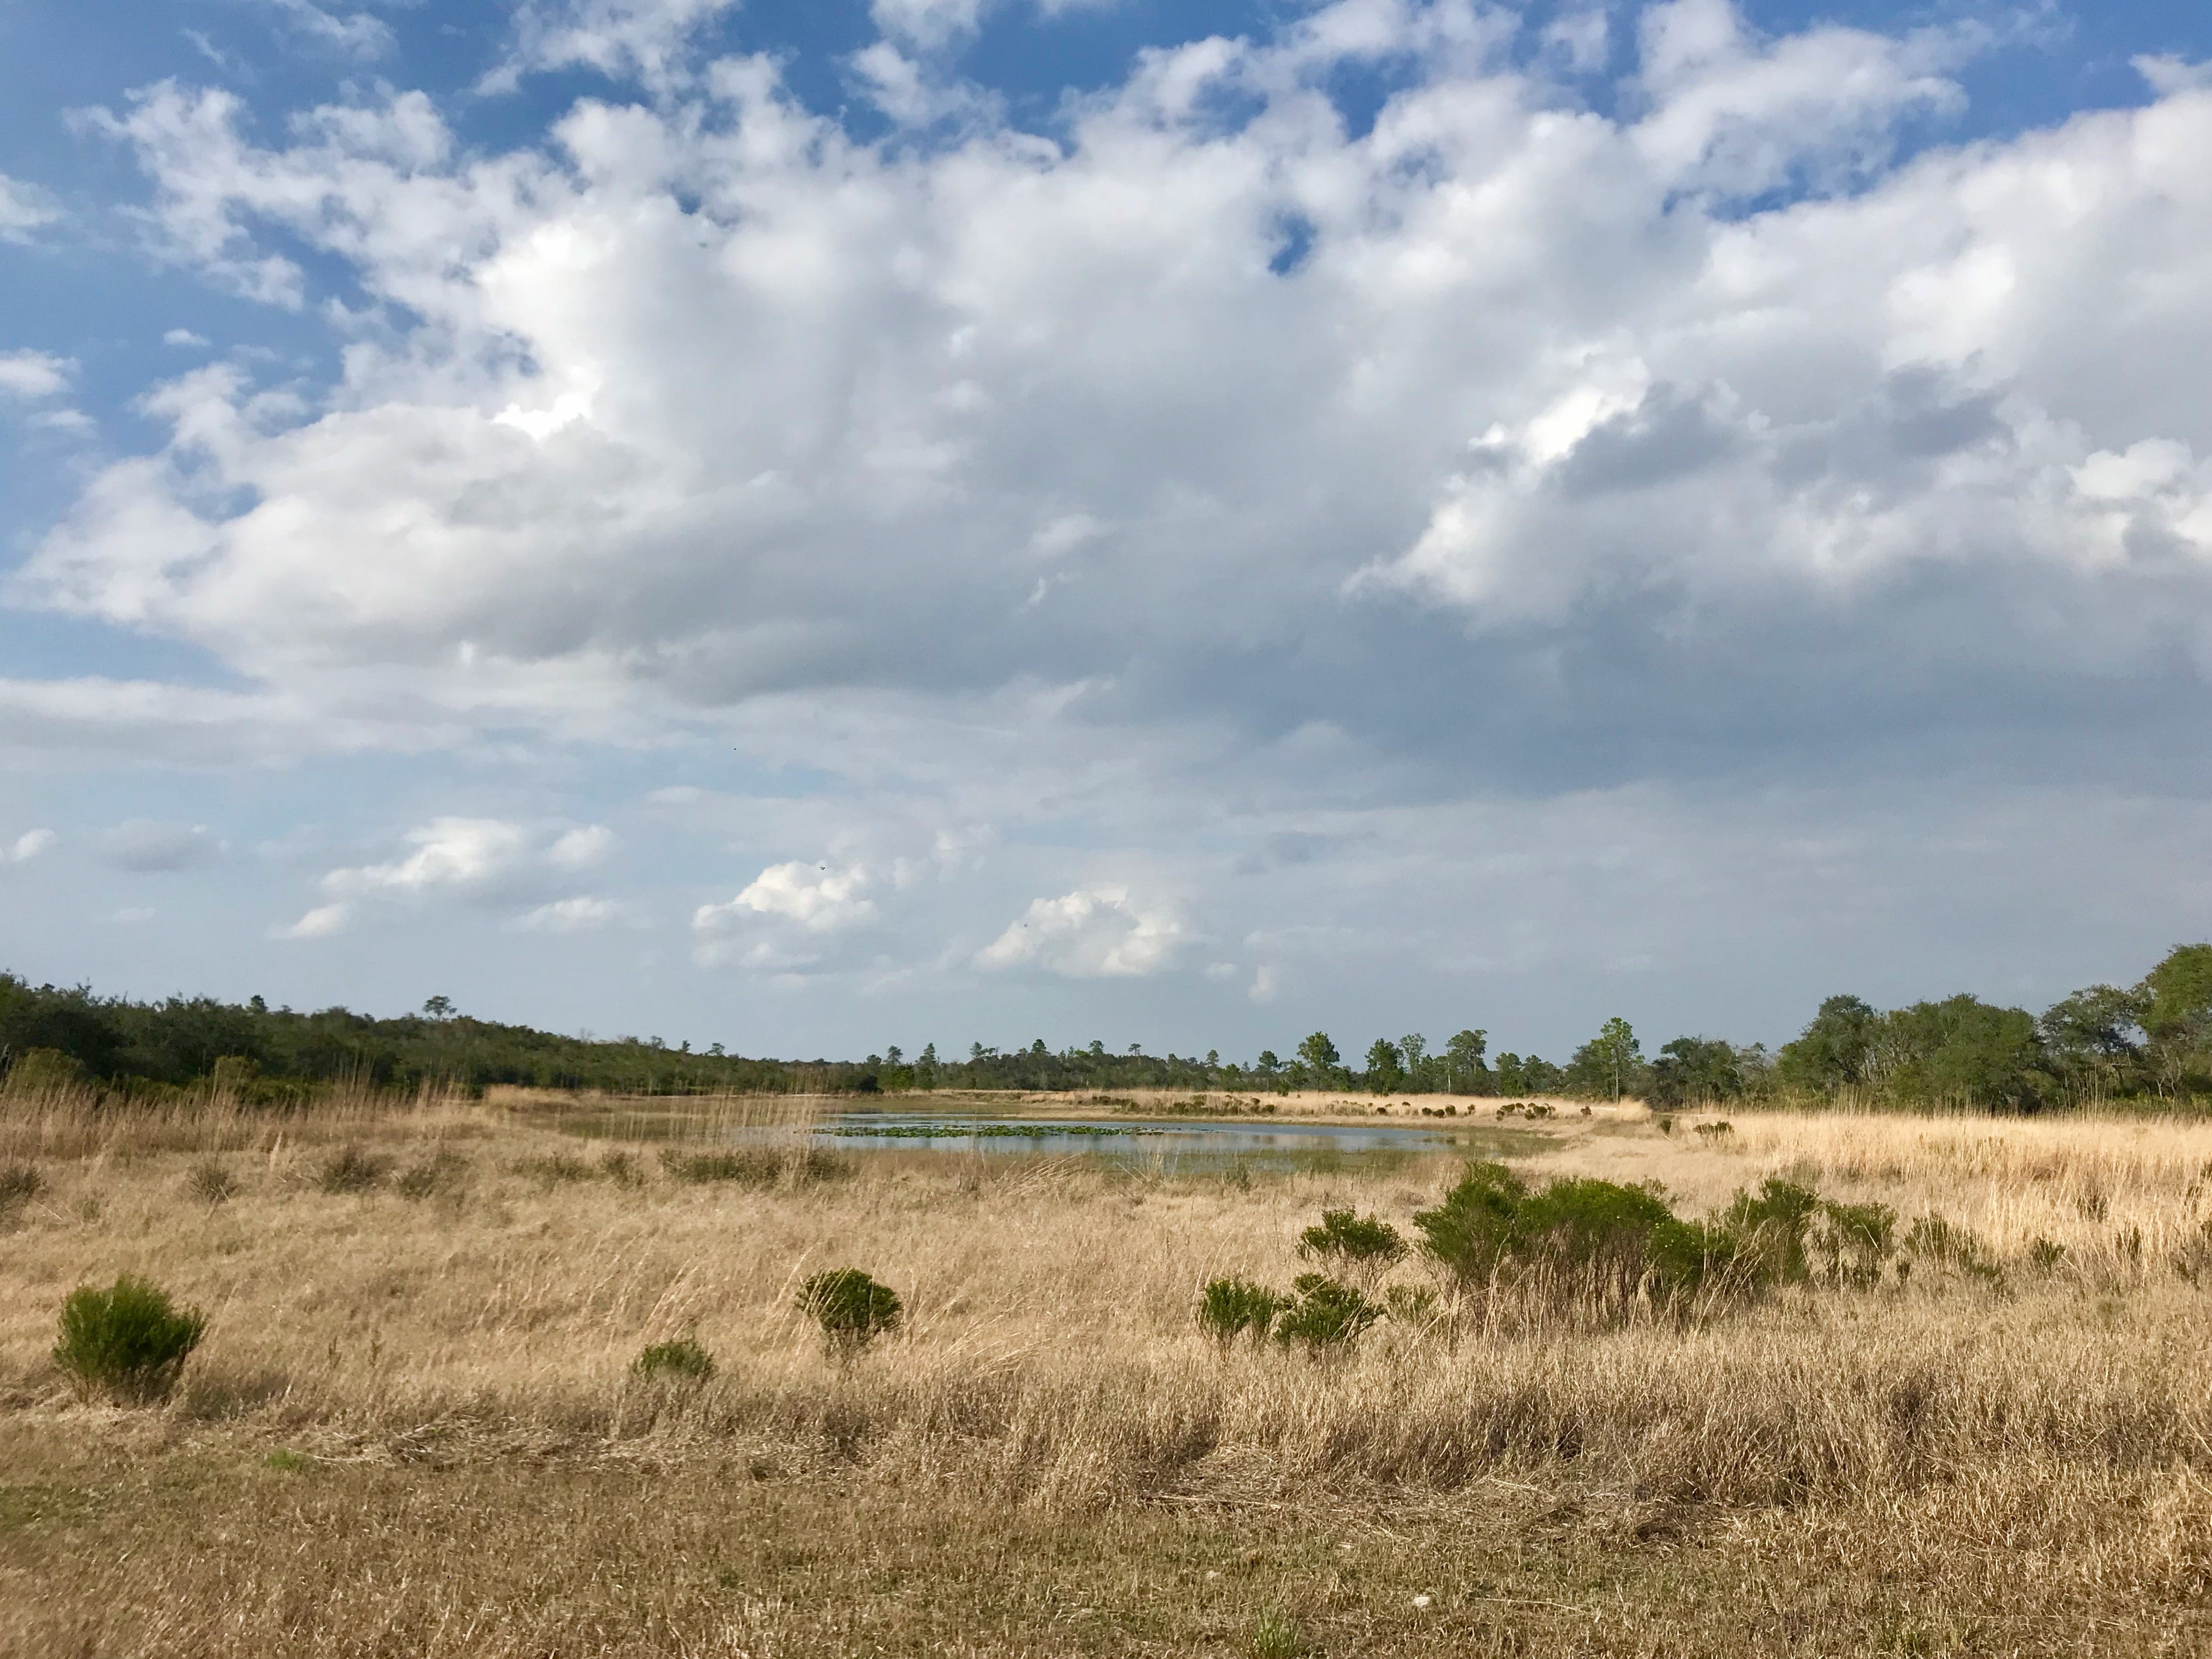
(1470,1231)
(1228,1308)
(1769,1229)
(851,1308)
(1366,1241)
(680,1360)
(127,1342)
(1323,1314)
(1618,1238)
(209,1183)
(350,1169)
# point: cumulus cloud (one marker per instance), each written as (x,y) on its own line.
(1093,932)
(33,373)
(817,897)
(145,845)
(1069,416)
(489,863)
(27,847)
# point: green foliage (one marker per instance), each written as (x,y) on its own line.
(680,1360)
(1695,1071)
(1852,1240)
(851,1308)
(1318,1055)
(1469,1232)
(1351,1237)
(1386,1068)
(1832,1052)
(2175,1005)
(1769,1229)
(1230,1308)
(1964,1050)
(1275,1637)
(40,1070)
(209,1183)
(1610,1064)
(1324,1315)
(126,1343)
(286,1462)
(350,1169)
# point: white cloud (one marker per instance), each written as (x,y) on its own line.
(817,897)
(33,373)
(323,921)
(184,337)
(24,209)
(568,915)
(449,852)
(581,847)
(27,847)
(643,38)
(1093,932)
(358,34)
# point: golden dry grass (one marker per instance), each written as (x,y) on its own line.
(1944,1465)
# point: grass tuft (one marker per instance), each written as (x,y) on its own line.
(126,1343)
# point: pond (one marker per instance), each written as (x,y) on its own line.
(1127,1139)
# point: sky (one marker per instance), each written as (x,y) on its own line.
(812,525)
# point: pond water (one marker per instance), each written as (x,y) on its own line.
(1131,1139)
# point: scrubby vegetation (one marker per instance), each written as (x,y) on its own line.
(2151,1042)
(126,1343)
(851,1308)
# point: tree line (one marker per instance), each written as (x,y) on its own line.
(2149,1041)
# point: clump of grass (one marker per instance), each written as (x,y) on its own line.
(851,1308)
(620,1168)
(2045,1257)
(1324,1315)
(1718,1131)
(350,1169)
(19,1184)
(1230,1308)
(743,1168)
(559,1168)
(1411,1304)
(285,1462)
(209,1183)
(1276,1637)
(127,1343)
(1934,1238)
(680,1360)
(441,1172)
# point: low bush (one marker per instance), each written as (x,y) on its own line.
(1853,1240)
(851,1308)
(1411,1304)
(350,1169)
(1347,1236)
(746,1169)
(1469,1233)
(1230,1308)
(126,1343)
(1769,1227)
(209,1183)
(555,1169)
(1323,1314)
(680,1360)
(1944,1243)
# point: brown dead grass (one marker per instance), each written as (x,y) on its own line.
(1941,1466)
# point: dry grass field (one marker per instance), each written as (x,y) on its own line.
(414,1427)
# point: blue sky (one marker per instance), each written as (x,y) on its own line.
(817,527)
